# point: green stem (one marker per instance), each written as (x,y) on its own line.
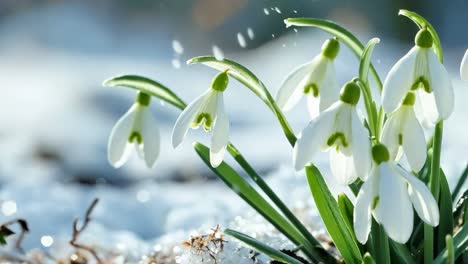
(288,132)
(434,184)
(274,198)
(381,249)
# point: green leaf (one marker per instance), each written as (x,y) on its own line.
(265,249)
(402,252)
(366,59)
(4,233)
(421,22)
(460,245)
(147,86)
(347,209)
(445,226)
(242,188)
(450,250)
(330,213)
(368,259)
(380,243)
(340,32)
(460,183)
(237,71)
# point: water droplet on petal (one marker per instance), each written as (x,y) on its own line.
(9,208)
(277,10)
(218,53)
(176,63)
(266,11)
(47,241)
(241,40)
(250,33)
(177,47)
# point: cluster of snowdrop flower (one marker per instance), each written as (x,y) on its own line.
(417,93)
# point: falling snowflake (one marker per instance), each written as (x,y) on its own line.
(218,53)
(250,33)
(178,48)
(241,40)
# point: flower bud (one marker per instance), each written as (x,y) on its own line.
(424,38)
(350,93)
(330,48)
(220,82)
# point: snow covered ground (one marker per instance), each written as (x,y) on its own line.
(55,119)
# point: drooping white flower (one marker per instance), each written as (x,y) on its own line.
(390,194)
(464,67)
(208,111)
(402,131)
(138,129)
(421,71)
(339,129)
(316,80)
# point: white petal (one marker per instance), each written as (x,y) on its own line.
(313,137)
(396,211)
(151,138)
(185,119)
(422,198)
(291,83)
(399,81)
(464,67)
(342,167)
(391,131)
(426,108)
(313,106)
(442,87)
(362,211)
(329,88)
(414,142)
(361,147)
(118,140)
(220,137)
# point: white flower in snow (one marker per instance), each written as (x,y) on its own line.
(420,71)
(316,80)
(339,129)
(464,67)
(137,128)
(389,194)
(402,131)
(208,111)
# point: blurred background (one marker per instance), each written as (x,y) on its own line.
(55,116)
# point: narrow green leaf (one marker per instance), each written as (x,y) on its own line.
(403,253)
(460,183)
(366,56)
(347,211)
(450,251)
(340,32)
(148,86)
(446,225)
(242,188)
(237,71)
(330,213)
(380,243)
(368,259)
(265,249)
(460,245)
(421,22)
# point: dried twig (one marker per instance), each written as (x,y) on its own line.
(77,232)
(24,229)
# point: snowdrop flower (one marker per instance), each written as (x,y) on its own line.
(389,195)
(420,71)
(137,128)
(402,131)
(207,111)
(464,67)
(339,129)
(315,79)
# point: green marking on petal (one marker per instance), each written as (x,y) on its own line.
(337,136)
(421,82)
(400,139)
(375,202)
(312,89)
(409,99)
(135,135)
(205,119)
